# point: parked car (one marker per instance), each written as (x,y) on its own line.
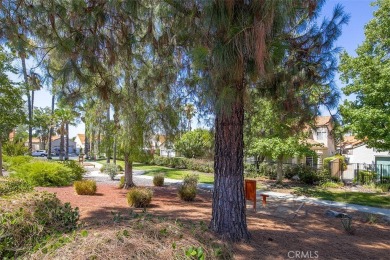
(41,153)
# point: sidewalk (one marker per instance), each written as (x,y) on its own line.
(148,180)
(328,203)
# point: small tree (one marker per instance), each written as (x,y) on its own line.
(11,103)
(196,143)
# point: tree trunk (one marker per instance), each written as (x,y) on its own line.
(279,170)
(229,205)
(1,158)
(51,127)
(114,151)
(97,147)
(24,68)
(62,143)
(67,142)
(92,152)
(108,148)
(128,172)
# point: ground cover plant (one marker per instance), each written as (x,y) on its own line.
(9,186)
(28,219)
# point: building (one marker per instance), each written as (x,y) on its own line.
(55,145)
(80,142)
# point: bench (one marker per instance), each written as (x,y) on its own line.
(89,164)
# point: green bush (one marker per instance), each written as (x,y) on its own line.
(111,169)
(330,184)
(77,169)
(158,179)
(187,192)
(11,162)
(308,175)
(85,187)
(384,187)
(366,177)
(139,197)
(337,156)
(45,174)
(14,148)
(9,186)
(28,219)
(122,182)
(191,180)
(184,163)
(195,144)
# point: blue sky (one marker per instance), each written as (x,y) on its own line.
(353,35)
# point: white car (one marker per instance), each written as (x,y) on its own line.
(41,153)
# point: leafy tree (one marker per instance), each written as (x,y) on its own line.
(42,123)
(367,77)
(195,144)
(11,102)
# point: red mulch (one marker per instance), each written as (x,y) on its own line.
(273,237)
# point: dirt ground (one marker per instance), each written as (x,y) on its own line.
(276,234)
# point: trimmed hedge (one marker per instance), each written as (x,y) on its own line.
(184,163)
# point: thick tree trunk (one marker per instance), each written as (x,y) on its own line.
(51,127)
(229,205)
(67,142)
(1,158)
(128,172)
(62,143)
(279,171)
(24,68)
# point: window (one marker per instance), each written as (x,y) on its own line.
(321,134)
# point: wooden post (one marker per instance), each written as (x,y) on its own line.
(250,191)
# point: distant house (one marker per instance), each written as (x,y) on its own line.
(160,142)
(80,141)
(322,140)
(55,145)
(36,144)
(356,151)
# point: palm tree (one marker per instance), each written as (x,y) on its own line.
(64,116)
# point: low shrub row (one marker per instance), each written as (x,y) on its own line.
(28,219)
(184,163)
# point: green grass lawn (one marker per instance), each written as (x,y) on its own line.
(170,173)
(380,200)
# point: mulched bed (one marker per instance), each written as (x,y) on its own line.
(273,236)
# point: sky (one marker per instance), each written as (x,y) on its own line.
(360,11)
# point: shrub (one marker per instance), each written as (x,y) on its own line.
(191,180)
(308,175)
(43,173)
(77,169)
(11,162)
(9,186)
(187,192)
(366,177)
(384,187)
(330,184)
(122,182)
(195,144)
(158,179)
(27,220)
(111,169)
(85,187)
(139,197)
(14,148)
(184,163)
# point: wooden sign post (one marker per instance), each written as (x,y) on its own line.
(250,191)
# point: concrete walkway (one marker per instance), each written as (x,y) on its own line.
(148,180)
(328,203)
